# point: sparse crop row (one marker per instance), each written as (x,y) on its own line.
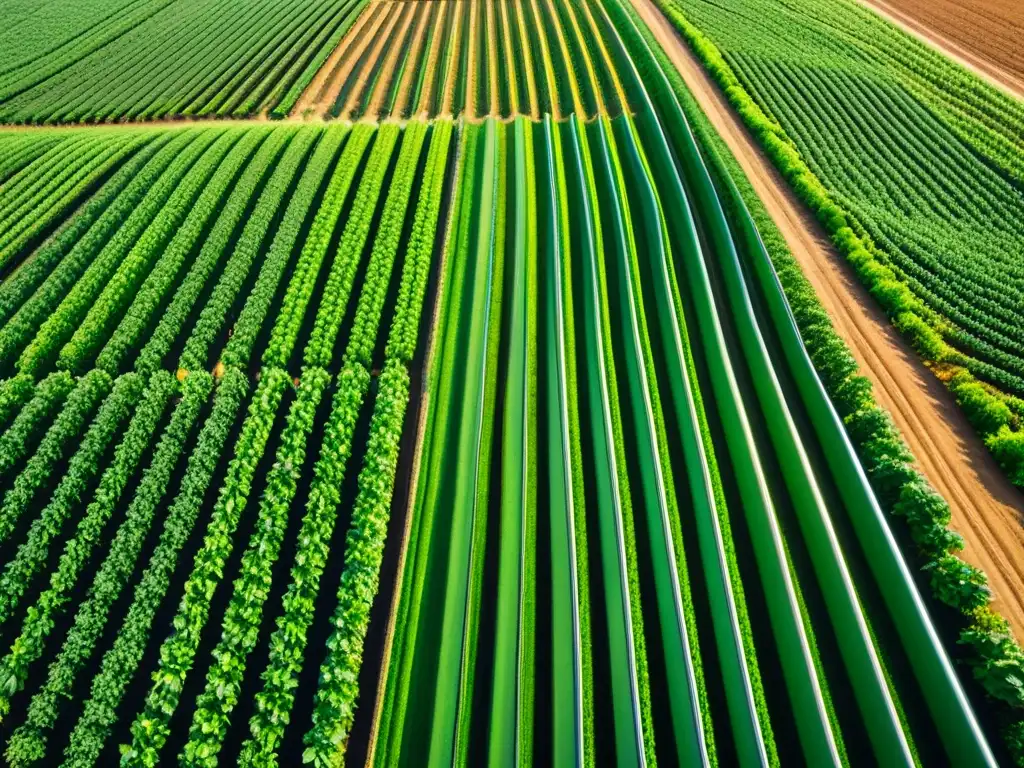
(475,59)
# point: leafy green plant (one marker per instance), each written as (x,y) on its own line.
(28,743)
(240,627)
(151,728)
(121,662)
(288,642)
(338,690)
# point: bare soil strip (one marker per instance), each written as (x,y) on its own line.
(366,35)
(451,74)
(982,35)
(407,16)
(377,39)
(431,76)
(328,79)
(422,18)
(987,509)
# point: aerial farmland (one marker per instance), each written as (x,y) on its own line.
(511,383)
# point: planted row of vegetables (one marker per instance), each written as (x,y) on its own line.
(343,260)
(161,58)
(253,514)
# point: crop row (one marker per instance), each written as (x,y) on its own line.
(164,58)
(209,193)
(212,245)
(680,487)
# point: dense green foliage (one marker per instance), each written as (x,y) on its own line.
(114,59)
(459,442)
(911,165)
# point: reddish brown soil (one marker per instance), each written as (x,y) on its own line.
(984,35)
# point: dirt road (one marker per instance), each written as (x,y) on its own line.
(987,509)
(983,35)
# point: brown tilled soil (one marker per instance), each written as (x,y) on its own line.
(432,77)
(422,19)
(319,95)
(987,509)
(986,36)
(409,14)
(376,41)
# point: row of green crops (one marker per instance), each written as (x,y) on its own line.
(42,180)
(404,58)
(912,165)
(690,564)
(220,246)
(162,58)
(449,443)
(135,575)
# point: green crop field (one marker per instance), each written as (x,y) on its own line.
(146,59)
(475,412)
(923,160)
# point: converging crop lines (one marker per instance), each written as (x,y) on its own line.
(499,58)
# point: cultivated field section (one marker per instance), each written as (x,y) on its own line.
(406,58)
(475,412)
(149,520)
(106,60)
(922,164)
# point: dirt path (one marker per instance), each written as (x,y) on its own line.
(982,35)
(432,76)
(374,42)
(987,509)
